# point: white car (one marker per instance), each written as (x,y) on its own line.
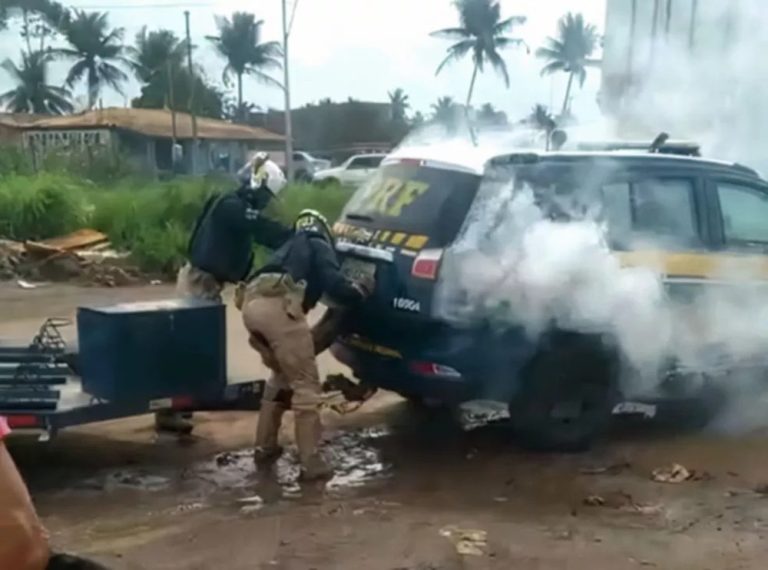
(353,172)
(305,165)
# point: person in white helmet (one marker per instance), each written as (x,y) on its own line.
(221,247)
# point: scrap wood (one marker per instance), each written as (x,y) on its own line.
(80,239)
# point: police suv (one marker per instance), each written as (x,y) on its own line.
(561,386)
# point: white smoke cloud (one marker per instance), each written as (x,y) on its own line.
(512,263)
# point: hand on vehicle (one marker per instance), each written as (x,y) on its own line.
(365,286)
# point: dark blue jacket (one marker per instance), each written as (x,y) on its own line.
(310,257)
(222,240)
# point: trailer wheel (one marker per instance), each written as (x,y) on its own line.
(567,394)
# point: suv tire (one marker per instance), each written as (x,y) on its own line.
(572,371)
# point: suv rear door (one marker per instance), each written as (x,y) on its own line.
(400,221)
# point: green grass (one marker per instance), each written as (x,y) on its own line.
(152,220)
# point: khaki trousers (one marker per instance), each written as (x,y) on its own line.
(279,332)
(23,540)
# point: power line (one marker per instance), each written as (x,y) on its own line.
(175,5)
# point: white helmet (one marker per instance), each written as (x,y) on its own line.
(270,175)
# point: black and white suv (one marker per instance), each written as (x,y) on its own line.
(561,386)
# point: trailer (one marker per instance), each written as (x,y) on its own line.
(129,359)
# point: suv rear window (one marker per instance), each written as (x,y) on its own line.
(414,199)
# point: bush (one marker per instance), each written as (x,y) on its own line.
(328,200)
(14,160)
(152,220)
(43,206)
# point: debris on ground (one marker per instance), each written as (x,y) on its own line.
(674,473)
(621,501)
(84,256)
(354,394)
(762,489)
(251,504)
(468,542)
(612,469)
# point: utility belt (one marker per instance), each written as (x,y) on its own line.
(273,285)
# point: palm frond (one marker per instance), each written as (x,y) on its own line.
(456,34)
(508,24)
(499,65)
(553,67)
(456,52)
(262,77)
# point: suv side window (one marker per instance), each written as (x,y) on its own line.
(745,214)
(365,162)
(664,207)
(660,208)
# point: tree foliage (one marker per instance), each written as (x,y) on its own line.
(481,34)
(570,51)
(97,51)
(33,93)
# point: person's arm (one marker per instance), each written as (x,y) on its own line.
(23,540)
(233,212)
(334,283)
(270,233)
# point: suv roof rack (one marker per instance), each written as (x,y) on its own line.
(680,148)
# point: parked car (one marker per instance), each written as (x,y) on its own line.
(353,172)
(305,165)
(562,388)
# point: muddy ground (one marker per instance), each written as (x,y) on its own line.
(408,487)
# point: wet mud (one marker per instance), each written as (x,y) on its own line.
(412,490)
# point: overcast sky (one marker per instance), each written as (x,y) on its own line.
(361,49)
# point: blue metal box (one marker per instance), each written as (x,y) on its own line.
(142,351)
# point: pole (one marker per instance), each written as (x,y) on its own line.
(171,100)
(193,157)
(287,91)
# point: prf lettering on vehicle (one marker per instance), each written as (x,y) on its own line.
(389,196)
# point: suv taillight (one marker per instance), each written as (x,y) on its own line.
(426,264)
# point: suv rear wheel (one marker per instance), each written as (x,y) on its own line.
(567,394)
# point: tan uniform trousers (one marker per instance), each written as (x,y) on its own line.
(280,333)
(283,338)
(23,540)
(197,284)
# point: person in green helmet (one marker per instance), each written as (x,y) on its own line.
(274,304)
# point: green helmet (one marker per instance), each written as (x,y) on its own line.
(313,221)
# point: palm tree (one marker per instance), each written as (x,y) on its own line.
(541,119)
(444,111)
(239,43)
(155,52)
(570,51)
(32,93)
(97,51)
(482,33)
(399,104)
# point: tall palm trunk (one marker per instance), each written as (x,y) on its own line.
(567,93)
(654,32)
(471,87)
(240,110)
(632,33)
(692,28)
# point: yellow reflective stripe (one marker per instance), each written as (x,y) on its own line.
(398,238)
(416,242)
(724,266)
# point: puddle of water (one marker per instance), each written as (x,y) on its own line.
(132,479)
(356,459)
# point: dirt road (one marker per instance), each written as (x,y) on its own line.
(408,489)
